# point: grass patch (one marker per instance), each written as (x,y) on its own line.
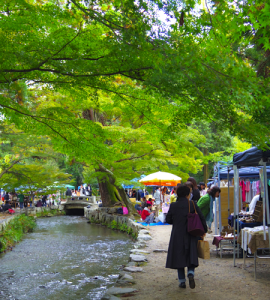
(15,230)
(52,212)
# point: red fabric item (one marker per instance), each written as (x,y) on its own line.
(247,186)
(145,214)
(149,202)
(11,211)
(242,184)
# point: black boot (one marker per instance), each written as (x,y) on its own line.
(191,281)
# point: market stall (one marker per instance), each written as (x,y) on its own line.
(252,240)
(253,157)
(249,186)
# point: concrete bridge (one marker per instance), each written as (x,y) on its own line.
(76,206)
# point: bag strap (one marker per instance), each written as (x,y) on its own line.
(193,206)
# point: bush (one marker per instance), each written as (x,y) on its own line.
(114,225)
(14,231)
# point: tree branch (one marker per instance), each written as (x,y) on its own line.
(134,157)
(11,166)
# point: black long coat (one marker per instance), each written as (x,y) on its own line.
(183,246)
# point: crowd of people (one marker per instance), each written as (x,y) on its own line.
(198,194)
(82,191)
(11,200)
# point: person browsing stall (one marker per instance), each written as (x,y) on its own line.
(206,204)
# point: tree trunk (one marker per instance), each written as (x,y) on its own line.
(110,193)
(205,168)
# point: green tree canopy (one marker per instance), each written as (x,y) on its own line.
(116,89)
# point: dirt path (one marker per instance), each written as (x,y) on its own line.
(215,278)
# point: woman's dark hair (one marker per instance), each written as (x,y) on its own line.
(212,192)
(201,183)
(195,187)
(183,191)
(189,184)
(148,204)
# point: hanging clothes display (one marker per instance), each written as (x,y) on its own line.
(243,187)
(258,186)
(248,191)
(254,189)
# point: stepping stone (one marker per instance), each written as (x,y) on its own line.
(137,258)
(119,291)
(133,269)
(125,279)
(125,276)
(139,251)
(139,245)
(160,250)
(144,237)
(144,232)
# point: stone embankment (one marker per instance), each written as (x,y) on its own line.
(107,216)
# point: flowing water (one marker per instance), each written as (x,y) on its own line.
(64,258)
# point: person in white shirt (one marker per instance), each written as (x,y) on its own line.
(253,203)
(157,197)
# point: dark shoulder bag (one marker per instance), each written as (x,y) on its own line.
(194,224)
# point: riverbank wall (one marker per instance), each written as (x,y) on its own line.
(107,216)
(28,211)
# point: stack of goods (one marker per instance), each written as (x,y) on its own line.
(226,230)
(247,219)
(244,214)
(258,212)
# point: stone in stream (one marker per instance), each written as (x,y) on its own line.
(139,251)
(160,250)
(133,269)
(119,291)
(125,279)
(143,231)
(140,245)
(144,237)
(137,258)
(125,276)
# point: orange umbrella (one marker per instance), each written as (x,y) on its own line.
(161,179)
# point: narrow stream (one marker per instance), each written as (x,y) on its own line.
(64,258)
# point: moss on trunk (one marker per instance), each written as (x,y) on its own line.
(111,193)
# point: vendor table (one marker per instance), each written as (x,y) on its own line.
(222,244)
(244,224)
(251,240)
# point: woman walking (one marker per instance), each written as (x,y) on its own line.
(183,246)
